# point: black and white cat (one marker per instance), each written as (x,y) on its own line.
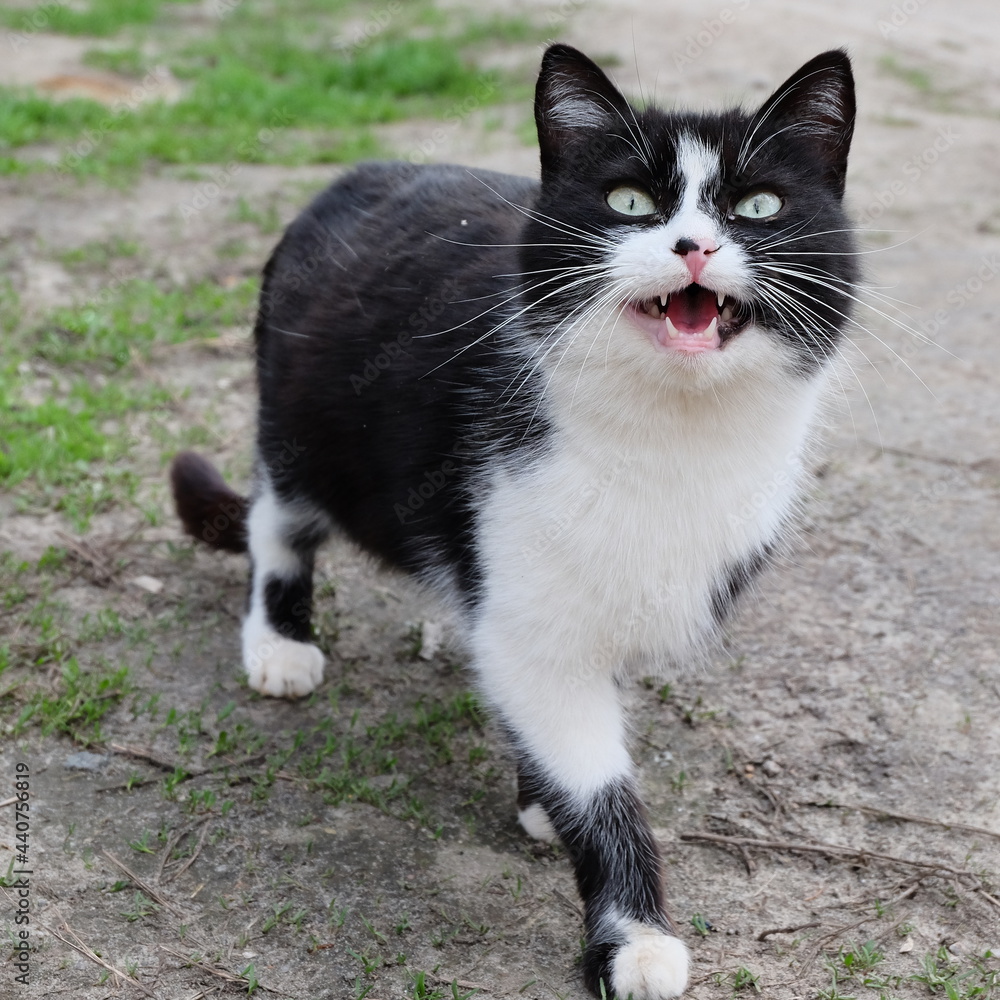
(560,402)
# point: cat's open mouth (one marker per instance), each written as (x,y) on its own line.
(692,320)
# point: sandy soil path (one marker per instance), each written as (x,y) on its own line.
(863,686)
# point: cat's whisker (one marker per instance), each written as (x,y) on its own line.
(876,291)
(617,291)
(854,322)
(598,244)
(791,127)
(645,155)
(291,333)
(513,294)
(636,129)
(766,247)
(557,224)
(810,323)
(562,268)
(566,320)
(782,235)
(508,320)
(838,253)
(899,324)
(776,101)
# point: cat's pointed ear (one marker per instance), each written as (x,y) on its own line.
(816,103)
(572,97)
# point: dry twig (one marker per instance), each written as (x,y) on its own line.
(143,753)
(211,970)
(191,860)
(153,894)
(764,935)
(77,944)
(102,572)
(903,817)
(830,850)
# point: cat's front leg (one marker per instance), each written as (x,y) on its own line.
(282,537)
(575,772)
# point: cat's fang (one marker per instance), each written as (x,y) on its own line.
(720,298)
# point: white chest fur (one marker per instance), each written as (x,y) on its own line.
(608,548)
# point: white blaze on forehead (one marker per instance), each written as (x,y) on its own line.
(644,260)
(698,168)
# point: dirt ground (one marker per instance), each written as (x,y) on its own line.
(857,704)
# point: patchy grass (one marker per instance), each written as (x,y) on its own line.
(70,382)
(265,89)
(99,18)
(78,704)
(917,78)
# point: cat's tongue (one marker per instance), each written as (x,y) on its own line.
(691,312)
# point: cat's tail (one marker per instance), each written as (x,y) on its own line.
(209,510)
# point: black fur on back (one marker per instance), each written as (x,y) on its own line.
(387,431)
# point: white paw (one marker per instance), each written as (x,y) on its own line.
(537,824)
(280,667)
(651,965)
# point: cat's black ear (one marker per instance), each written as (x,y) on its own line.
(572,97)
(817,104)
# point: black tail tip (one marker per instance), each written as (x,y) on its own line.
(209,510)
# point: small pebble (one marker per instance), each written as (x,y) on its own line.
(431,635)
(83,761)
(771,768)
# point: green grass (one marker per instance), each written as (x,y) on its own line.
(345,760)
(79,703)
(422,989)
(96,17)
(944,976)
(60,452)
(266,89)
(915,77)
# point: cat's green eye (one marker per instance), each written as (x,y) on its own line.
(629,200)
(759,205)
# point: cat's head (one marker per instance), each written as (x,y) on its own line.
(696,246)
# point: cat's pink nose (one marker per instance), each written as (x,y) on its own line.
(695,253)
